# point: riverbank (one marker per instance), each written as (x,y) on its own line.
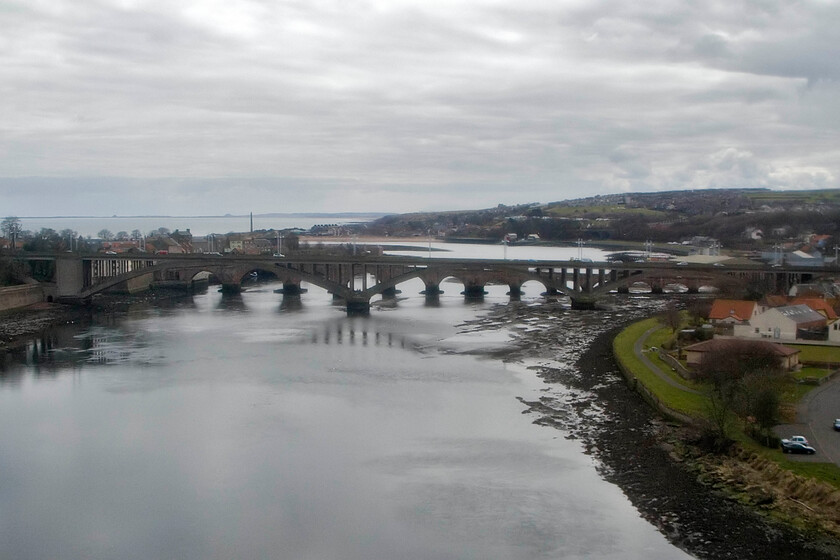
(28,321)
(637,450)
(17,325)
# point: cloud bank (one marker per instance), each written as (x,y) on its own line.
(203,107)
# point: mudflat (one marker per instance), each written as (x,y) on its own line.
(631,444)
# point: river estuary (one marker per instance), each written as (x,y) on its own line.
(252,427)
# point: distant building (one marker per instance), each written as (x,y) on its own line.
(801,258)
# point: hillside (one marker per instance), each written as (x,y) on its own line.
(746,219)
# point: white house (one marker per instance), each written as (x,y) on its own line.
(781,323)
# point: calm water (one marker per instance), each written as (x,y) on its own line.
(252,427)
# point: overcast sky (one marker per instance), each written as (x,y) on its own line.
(216,106)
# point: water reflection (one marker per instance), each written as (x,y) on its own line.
(291,303)
(293,435)
(340,333)
(231,302)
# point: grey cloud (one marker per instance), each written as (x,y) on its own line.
(540,101)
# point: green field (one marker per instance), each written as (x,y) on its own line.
(820,354)
(830,196)
(599,211)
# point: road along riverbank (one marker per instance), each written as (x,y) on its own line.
(634,448)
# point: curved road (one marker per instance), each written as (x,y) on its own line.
(816,414)
(637,349)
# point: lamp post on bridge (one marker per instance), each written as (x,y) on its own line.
(429,233)
(580,248)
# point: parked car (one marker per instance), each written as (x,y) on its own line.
(796,447)
(837,425)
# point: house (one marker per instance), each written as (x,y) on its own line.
(801,258)
(789,322)
(753,233)
(810,291)
(819,305)
(120,246)
(697,354)
(733,311)
(773,300)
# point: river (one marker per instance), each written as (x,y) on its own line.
(256,427)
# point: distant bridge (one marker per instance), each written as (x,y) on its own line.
(357,279)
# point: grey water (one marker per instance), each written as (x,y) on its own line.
(256,427)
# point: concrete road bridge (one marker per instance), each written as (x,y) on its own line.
(357,279)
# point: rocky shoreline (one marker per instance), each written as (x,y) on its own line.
(635,448)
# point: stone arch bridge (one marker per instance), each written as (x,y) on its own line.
(357,279)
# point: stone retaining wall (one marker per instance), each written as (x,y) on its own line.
(648,396)
(13,297)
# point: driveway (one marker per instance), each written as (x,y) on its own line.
(815,420)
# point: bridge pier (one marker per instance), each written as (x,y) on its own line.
(515,292)
(551,291)
(656,289)
(390,293)
(291,289)
(358,307)
(474,291)
(432,290)
(231,288)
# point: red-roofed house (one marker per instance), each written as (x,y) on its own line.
(733,311)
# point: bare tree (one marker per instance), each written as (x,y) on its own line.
(672,317)
(11,228)
(745,381)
